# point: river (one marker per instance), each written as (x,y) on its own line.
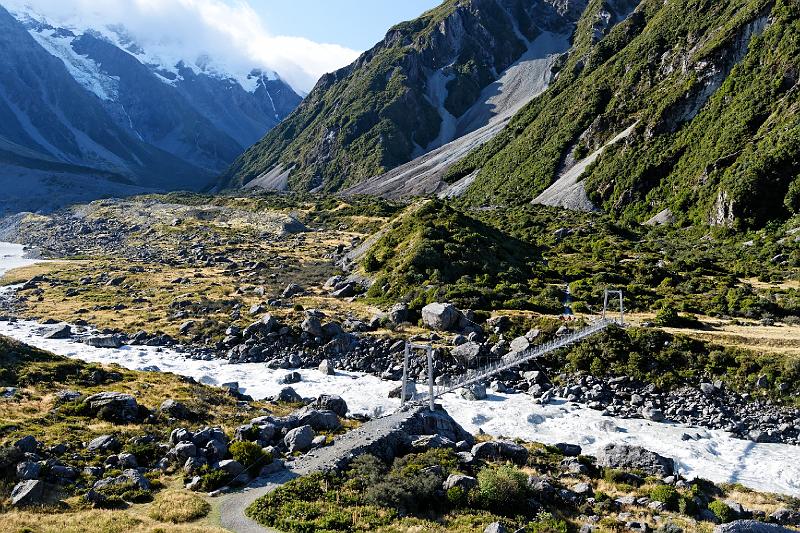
(713,455)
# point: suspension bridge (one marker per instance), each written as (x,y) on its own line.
(442,386)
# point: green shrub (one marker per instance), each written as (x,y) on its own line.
(666,495)
(503,488)
(457,496)
(547,523)
(687,506)
(211,479)
(723,513)
(247,453)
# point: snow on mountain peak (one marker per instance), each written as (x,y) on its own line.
(165,56)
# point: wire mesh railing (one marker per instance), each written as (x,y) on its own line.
(514,359)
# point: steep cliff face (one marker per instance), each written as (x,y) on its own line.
(711,90)
(405,96)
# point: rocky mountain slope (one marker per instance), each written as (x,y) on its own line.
(430,81)
(656,112)
(706,97)
(92,108)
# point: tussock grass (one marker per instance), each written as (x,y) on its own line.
(178,507)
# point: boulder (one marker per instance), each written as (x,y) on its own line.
(27,444)
(520,344)
(569,450)
(299,439)
(635,458)
(62,331)
(327,368)
(495,527)
(467,353)
(751,526)
(329,402)
(474,392)
(185,450)
(231,467)
(105,341)
(175,409)
(461,481)
(440,317)
(103,443)
(312,326)
(293,289)
(398,313)
(288,395)
(114,406)
(27,493)
(320,420)
(292,378)
(28,470)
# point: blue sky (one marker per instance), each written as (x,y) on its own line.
(355,24)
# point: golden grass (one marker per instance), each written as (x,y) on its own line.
(94,521)
(178,507)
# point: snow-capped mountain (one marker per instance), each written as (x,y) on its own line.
(92,97)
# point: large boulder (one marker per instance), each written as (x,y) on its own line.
(320,420)
(327,368)
(312,326)
(467,353)
(103,443)
(461,481)
(288,395)
(62,331)
(635,458)
(474,392)
(105,341)
(441,317)
(299,439)
(751,526)
(114,406)
(28,470)
(27,493)
(175,409)
(330,402)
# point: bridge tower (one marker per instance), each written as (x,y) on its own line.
(608,294)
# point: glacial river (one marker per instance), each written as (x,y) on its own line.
(713,455)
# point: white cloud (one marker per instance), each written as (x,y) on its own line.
(230,31)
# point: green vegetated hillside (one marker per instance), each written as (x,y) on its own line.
(523,258)
(712,87)
(376,113)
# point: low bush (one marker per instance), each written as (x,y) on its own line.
(247,453)
(666,495)
(547,523)
(503,489)
(723,513)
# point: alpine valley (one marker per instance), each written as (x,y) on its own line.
(523,265)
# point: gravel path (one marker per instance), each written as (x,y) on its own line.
(379,437)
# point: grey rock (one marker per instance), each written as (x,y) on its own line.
(656,415)
(27,493)
(327,368)
(320,420)
(185,450)
(299,439)
(175,409)
(333,403)
(28,470)
(467,352)
(635,458)
(750,526)
(520,344)
(103,443)
(62,331)
(474,392)
(288,395)
(292,378)
(461,481)
(440,317)
(398,313)
(27,444)
(495,527)
(293,289)
(114,406)
(569,450)
(105,341)
(231,467)
(312,326)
